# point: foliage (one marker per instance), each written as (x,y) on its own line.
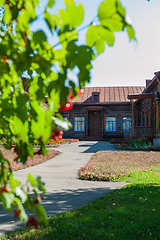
(137,143)
(131,212)
(113,165)
(24,117)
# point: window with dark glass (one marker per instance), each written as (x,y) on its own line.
(157,113)
(95,96)
(149,118)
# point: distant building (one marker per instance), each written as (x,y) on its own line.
(114,112)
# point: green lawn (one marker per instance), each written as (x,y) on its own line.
(132,212)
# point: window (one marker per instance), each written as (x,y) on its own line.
(126,123)
(141,120)
(110,124)
(95,96)
(145,119)
(157,115)
(79,124)
(149,118)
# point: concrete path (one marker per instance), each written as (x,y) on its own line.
(60,174)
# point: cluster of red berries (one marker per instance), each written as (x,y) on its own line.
(65,107)
(69,105)
(57,133)
(80,93)
(32,221)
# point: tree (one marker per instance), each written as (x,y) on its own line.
(23,118)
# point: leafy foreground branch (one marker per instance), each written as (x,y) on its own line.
(131,212)
(24,116)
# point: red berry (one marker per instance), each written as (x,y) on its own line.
(16,213)
(4,189)
(16,149)
(71,96)
(4,57)
(81,92)
(42,197)
(53,135)
(32,222)
(66,107)
(36,201)
(25,35)
(25,42)
(15,159)
(60,135)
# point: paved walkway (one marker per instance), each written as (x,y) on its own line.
(60,174)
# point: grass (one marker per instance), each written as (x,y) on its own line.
(131,212)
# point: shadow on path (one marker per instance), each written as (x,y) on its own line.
(55,203)
(94,147)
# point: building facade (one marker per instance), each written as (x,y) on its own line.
(101,113)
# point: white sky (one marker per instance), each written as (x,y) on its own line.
(125,64)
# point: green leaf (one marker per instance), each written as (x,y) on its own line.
(106,9)
(68,36)
(2,2)
(114,23)
(92,35)
(73,15)
(98,35)
(41,214)
(39,37)
(32,180)
(49,20)
(40,185)
(8,199)
(120,9)
(50,3)
(100,46)
(13,182)
(18,128)
(7,14)
(79,15)
(107,35)
(30,150)
(131,33)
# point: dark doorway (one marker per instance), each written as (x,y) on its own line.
(95,123)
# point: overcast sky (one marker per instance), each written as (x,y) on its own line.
(125,64)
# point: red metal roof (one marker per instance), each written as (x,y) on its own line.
(108,94)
